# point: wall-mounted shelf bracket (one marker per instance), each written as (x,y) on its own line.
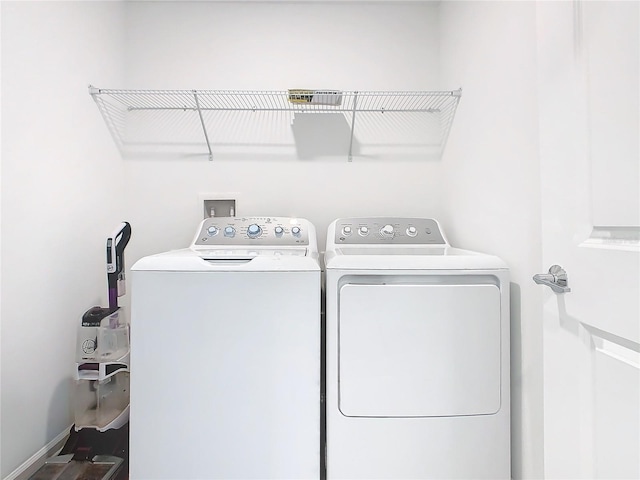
(204,127)
(353,124)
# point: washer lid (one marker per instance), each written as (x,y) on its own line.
(227,260)
(249,253)
(257,244)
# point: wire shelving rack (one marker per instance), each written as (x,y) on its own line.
(121,108)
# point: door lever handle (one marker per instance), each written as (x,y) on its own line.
(557,279)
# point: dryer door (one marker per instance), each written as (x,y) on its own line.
(419,350)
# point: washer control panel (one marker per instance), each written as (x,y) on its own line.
(388,230)
(271,231)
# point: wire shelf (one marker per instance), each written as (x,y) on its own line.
(128,112)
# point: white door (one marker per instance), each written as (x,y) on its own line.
(588,98)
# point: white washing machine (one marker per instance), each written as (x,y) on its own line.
(417,354)
(225,355)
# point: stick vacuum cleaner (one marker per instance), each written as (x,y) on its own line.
(98,443)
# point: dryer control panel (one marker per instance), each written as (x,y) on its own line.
(265,231)
(388,230)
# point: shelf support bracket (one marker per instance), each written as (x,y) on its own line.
(353,123)
(204,128)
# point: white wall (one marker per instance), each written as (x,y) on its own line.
(62,194)
(275,46)
(56,148)
(485,190)
(491,178)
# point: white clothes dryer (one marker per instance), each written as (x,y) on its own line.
(225,355)
(417,339)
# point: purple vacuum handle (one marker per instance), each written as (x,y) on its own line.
(115,260)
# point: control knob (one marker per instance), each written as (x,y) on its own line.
(412,231)
(295,231)
(363,230)
(229,231)
(254,230)
(387,231)
(278,231)
(212,231)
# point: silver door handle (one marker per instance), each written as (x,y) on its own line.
(557,279)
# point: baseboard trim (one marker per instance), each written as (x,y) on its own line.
(33,463)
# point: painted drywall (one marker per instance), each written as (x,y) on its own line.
(62,195)
(275,46)
(491,173)
(480,190)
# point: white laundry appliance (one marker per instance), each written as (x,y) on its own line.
(225,354)
(417,354)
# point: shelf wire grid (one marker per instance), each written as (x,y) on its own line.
(117,106)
